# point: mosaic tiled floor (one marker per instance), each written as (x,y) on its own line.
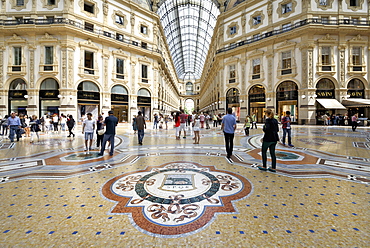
(170,193)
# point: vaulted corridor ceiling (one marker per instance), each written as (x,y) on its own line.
(188,26)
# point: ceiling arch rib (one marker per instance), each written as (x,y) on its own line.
(188,26)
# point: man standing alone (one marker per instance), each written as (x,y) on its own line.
(228,126)
(14,124)
(110,124)
(141,125)
(287,129)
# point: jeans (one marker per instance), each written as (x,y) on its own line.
(63,126)
(271,146)
(107,137)
(229,142)
(155,126)
(14,130)
(140,135)
(289,131)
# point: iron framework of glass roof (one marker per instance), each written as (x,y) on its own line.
(188,27)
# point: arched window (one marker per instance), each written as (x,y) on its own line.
(257,93)
(143,92)
(232,96)
(325,88)
(356,88)
(88,86)
(18,84)
(49,84)
(287,90)
(189,88)
(119,89)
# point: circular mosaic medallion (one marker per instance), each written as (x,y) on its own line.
(184,194)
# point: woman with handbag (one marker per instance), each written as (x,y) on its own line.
(99,131)
(35,128)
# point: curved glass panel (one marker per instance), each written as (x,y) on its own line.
(143,92)
(356,84)
(325,84)
(119,89)
(188,26)
(88,86)
(287,86)
(18,84)
(49,84)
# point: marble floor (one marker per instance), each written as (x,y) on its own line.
(173,193)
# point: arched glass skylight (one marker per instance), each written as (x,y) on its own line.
(188,26)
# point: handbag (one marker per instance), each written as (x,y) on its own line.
(101,132)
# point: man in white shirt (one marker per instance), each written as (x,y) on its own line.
(88,128)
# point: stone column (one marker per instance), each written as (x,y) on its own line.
(67,89)
(33,94)
(106,96)
(3,92)
(342,67)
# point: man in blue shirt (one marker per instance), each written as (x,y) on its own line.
(14,124)
(229,126)
(110,124)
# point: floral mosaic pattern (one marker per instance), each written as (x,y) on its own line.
(180,194)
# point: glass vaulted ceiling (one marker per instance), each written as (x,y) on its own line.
(188,26)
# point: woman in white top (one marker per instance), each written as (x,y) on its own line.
(27,120)
(48,125)
(63,121)
(196,129)
(55,122)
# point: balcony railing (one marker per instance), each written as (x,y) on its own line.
(310,21)
(79,25)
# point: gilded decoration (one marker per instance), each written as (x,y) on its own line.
(177,198)
(252,21)
(228,33)
(328,5)
(14,5)
(286,13)
(355,8)
(46,5)
(125,20)
(96,9)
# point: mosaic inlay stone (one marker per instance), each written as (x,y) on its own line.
(176,198)
(286,156)
(81,156)
(317,141)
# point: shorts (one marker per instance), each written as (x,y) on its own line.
(89,136)
(196,129)
(182,127)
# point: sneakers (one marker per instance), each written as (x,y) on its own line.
(262,168)
(272,170)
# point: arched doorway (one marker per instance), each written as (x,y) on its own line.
(287,99)
(48,101)
(257,101)
(119,102)
(232,101)
(325,89)
(144,103)
(359,104)
(88,98)
(189,106)
(17,99)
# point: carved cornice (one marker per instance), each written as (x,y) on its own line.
(89,44)
(16,40)
(47,38)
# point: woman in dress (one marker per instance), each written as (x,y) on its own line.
(271,137)
(196,129)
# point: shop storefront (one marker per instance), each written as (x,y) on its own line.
(17,98)
(257,101)
(357,102)
(48,97)
(287,99)
(119,102)
(326,102)
(88,98)
(232,101)
(144,103)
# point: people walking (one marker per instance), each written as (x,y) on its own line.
(207,118)
(155,125)
(55,121)
(269,141)
(228,127)
(134,124)
(354,122)
(286,120)
(247,125)
(70,124)
(196,129)
(110,124)
(202,118)
(141,125)
(183,119)
(88,128)
(35,128)
(4,124)
(14,124)
(99,126)
(177,125)
(166,121)
(254,121)
(215,120)
(63,122)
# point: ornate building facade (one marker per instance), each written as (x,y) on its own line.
(309,57)
(79,56)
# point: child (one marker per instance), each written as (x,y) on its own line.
(196,129)
(247,125)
